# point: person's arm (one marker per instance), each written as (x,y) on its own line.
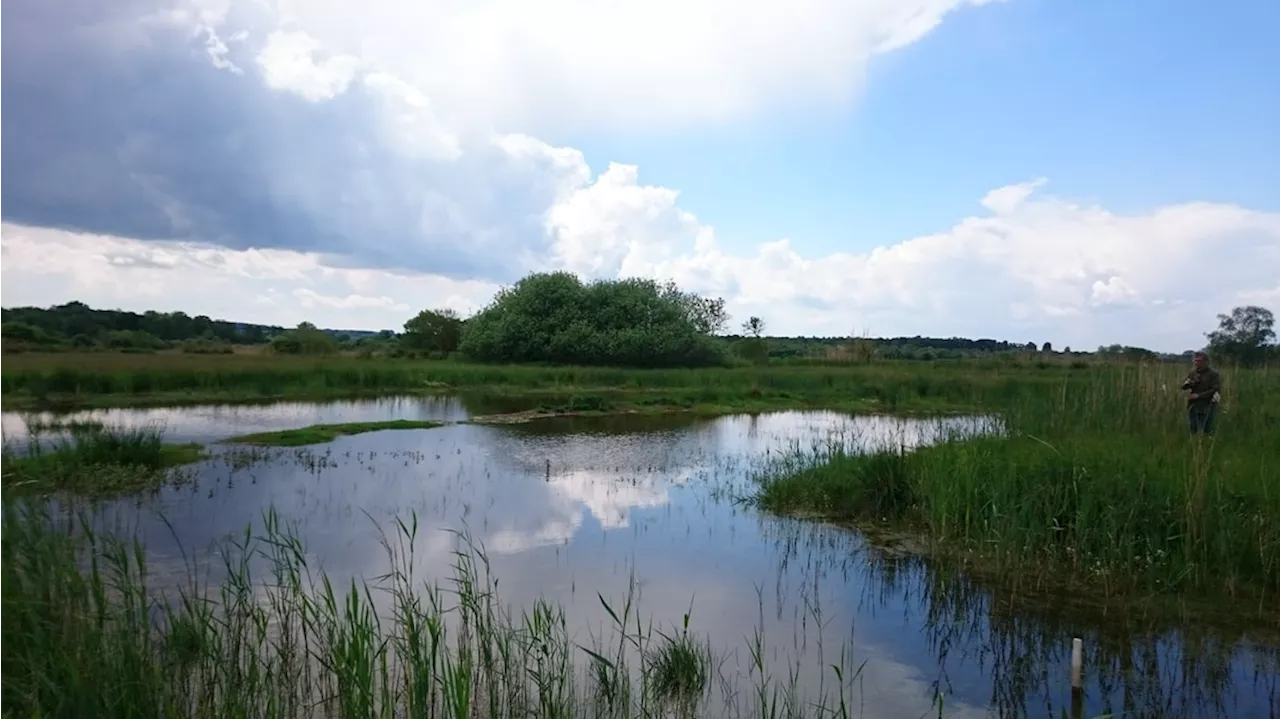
(1212,384)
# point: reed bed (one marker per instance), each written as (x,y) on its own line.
(1097,481)
(89,457)
(106,379)
(91,630)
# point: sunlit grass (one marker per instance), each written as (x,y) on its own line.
(321,433)
(1100,480)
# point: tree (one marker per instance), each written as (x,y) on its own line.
(59,323)
(305,339)
(434,331)
(1047,347)
(753,347)
(1244,336)
(555,317)
(706,313)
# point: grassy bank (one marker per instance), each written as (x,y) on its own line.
(92,459)
(89,632)
(320,433)
(1097,483)
(103,379)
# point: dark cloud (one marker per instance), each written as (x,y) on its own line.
(113,129)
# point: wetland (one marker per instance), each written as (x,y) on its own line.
(616,565)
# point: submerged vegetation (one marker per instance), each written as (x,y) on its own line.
(319,433)
(1097,482)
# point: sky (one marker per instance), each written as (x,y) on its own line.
(1083,172)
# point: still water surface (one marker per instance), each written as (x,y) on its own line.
(567,508)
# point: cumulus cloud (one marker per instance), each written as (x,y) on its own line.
(288,62)
(43,267)
(630,64)
(1049,269)
(370,136)
(289,161)
(135,129)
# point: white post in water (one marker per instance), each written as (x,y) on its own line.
(1077,664)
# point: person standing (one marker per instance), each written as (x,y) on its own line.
(1204,388)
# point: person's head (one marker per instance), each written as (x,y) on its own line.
(1201,360)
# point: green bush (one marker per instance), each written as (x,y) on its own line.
(555,318)
(304,340)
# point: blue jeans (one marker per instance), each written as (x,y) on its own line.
(1202,417)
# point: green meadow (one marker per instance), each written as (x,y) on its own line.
(69,380)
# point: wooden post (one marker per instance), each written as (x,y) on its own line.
(1077,680)
(1077,664)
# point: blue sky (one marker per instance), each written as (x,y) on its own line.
(832,166)
(1133,104)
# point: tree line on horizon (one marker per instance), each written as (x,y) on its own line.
(557,318)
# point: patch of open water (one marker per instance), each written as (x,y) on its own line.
(570,507)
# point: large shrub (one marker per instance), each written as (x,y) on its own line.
(305,339)
(554,317)
(434,331)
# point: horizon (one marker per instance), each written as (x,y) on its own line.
(1085,173)
(738,332)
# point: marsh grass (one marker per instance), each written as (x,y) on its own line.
(106,379)
(91,630)
(1096,481)
(321,433)
(90,457)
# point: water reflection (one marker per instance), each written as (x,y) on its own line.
(571,507)
(209,423)
(1022,650)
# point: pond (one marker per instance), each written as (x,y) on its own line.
(567,508)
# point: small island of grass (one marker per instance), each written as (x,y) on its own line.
(90,458)
(321,433)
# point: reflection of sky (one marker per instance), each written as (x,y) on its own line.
(208,423)
(566,510)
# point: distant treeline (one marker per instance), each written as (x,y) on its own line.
(937,348)
(556,318)
(77,326)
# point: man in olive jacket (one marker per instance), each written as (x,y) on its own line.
(1205,389)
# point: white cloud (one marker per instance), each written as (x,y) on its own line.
(406,78)
(1114,291)
(289,62)
(409,120)
(310,298)
(1074,275)
(1005,200)
(633,63)
(43,267)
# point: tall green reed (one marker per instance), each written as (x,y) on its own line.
(90,457)
(1100,479)
(91,629)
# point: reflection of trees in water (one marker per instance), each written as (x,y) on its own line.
(616,444)
(1134,667)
